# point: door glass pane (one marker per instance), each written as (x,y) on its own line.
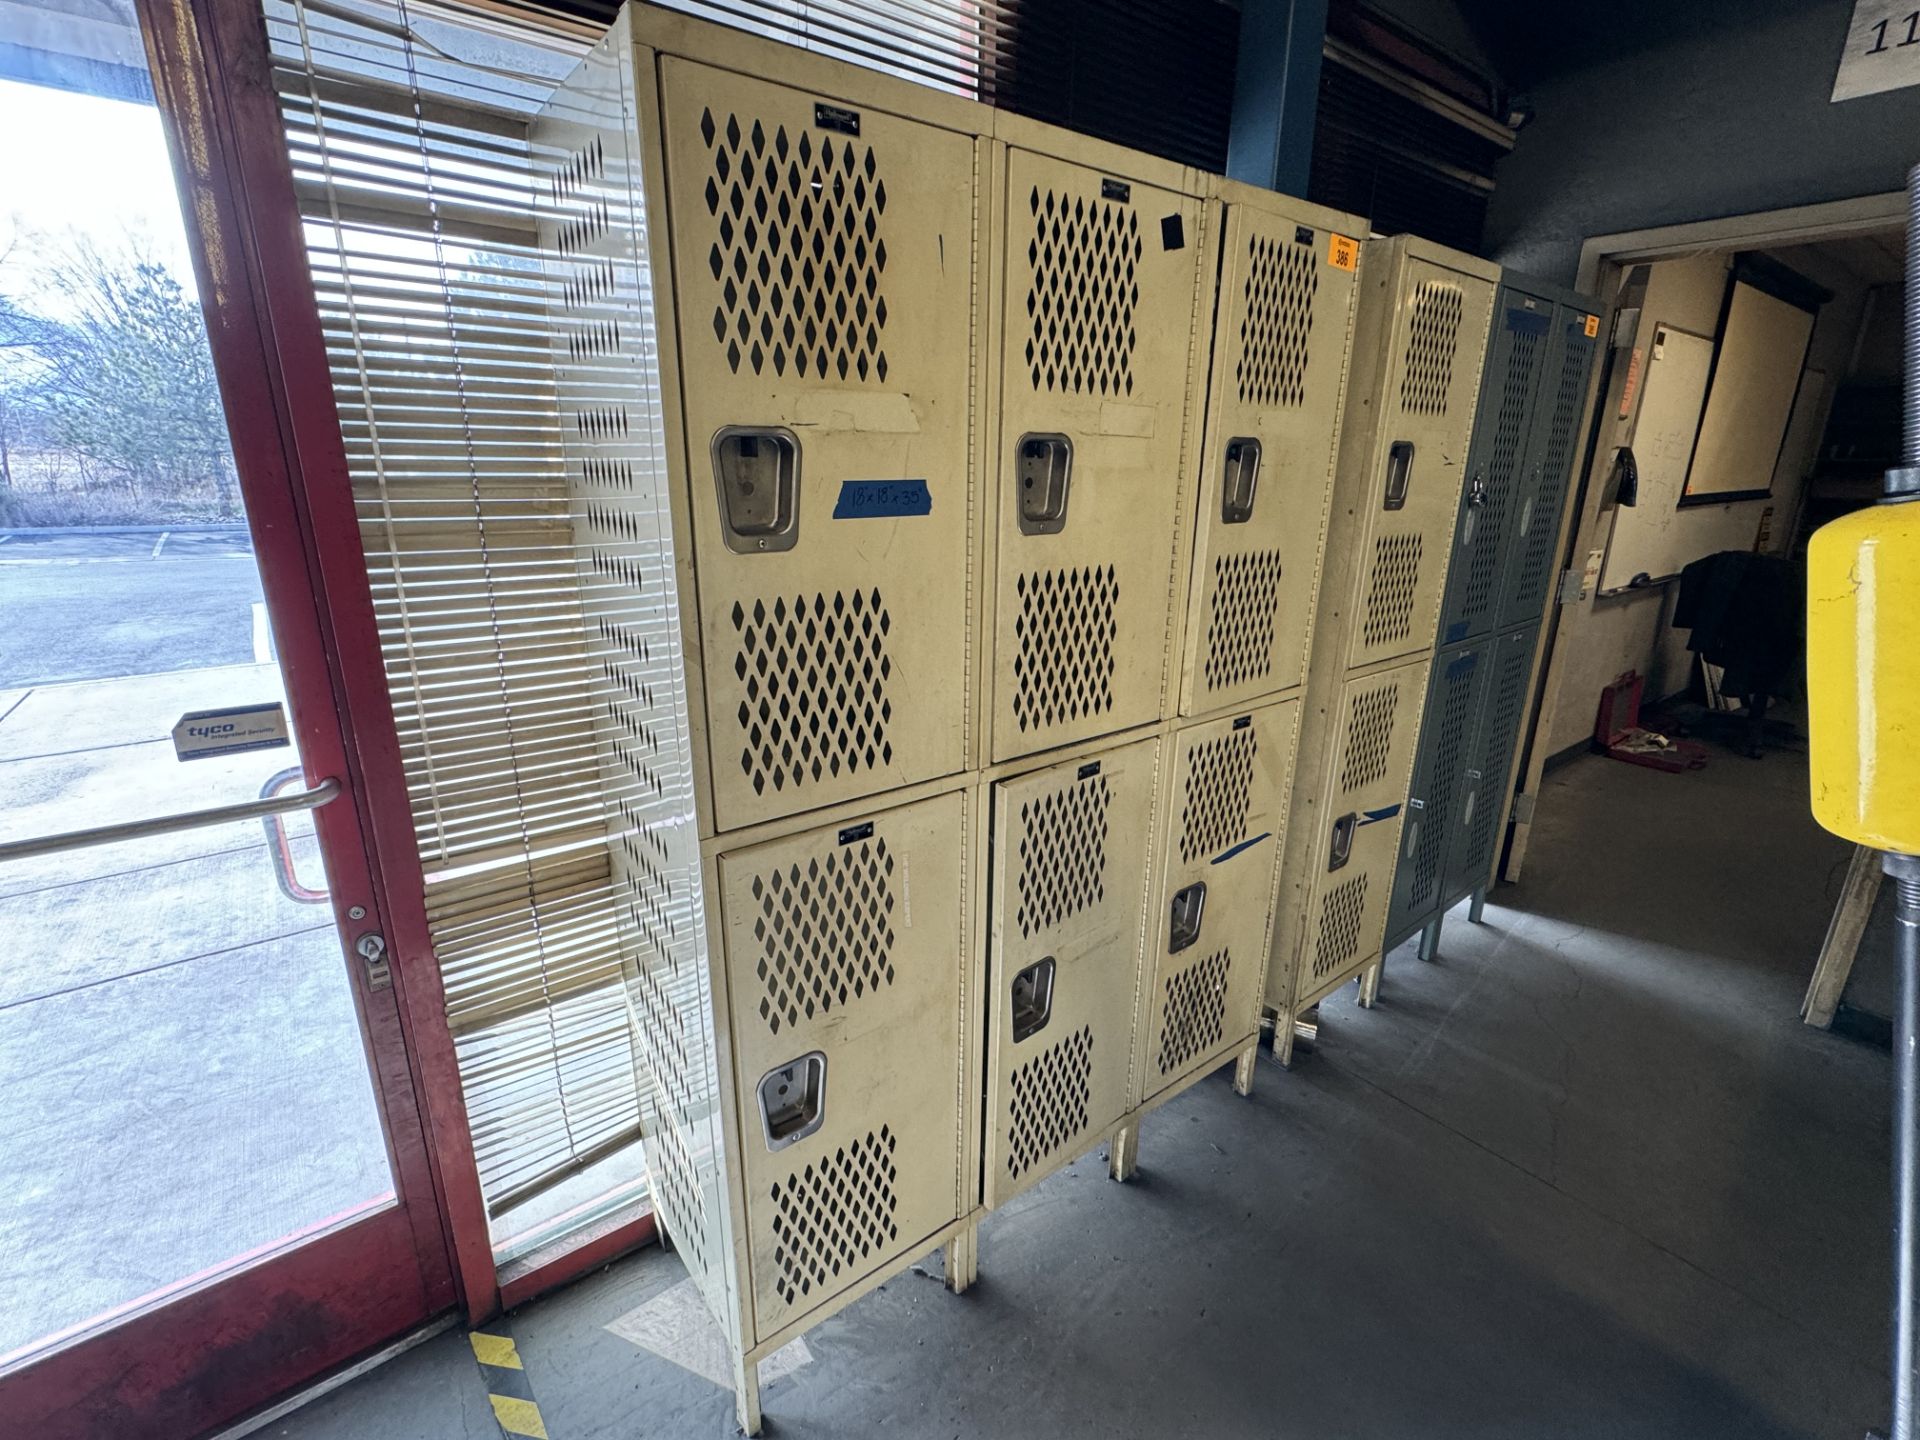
(185,1073)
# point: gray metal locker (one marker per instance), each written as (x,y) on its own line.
(1508,662)
(1533,537)
(1444,775)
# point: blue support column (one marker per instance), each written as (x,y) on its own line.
(1276,89)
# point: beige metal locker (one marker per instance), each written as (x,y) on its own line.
(1104,288)
(1071,845)
(1222,828)
(1355,846)
(825,265)
(1282,334)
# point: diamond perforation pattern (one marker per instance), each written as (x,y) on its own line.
(1246,593)
(1219,790)
(1085,285)
(1436,824)
(1341,910)
(825,932)
(1048,1106)
(1503,473)
(1391,589)
(1063,853)
(1426,377)
(1276,322)
(1509,699)
(798,252)
(1195,1014)
(813,673)
(1067,629)
(1369,736)
(834,1214)
(1543,525)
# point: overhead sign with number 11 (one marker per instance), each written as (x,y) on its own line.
(1883,49)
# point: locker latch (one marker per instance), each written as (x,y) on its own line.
(1237,486)
(1043,471)
(1399,473)
(757,472)
(1416,812)
(1473,794)
(1032,999)
(793,1100)
(1184,925)
(1341,850)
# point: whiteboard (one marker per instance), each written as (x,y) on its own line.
(1763,346)
(1645,538)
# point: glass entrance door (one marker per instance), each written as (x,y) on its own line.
(213,1174)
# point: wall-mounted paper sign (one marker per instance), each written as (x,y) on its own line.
(227,732)
(1883,49)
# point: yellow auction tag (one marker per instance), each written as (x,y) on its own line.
(1593,326)
(1343,253)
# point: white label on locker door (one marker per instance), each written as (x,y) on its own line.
(1882,51)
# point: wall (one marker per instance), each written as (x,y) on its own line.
(1662,113)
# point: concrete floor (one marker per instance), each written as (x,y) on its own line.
(1588,1175)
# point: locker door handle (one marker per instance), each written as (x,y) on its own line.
(1399,474)
(1183,925)
(1473,793)
(756,471)
(1241,480)
(1032,999)
(1340,850)
(1416,812)
(1043,475)
(793,1100)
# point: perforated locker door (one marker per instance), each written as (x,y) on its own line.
(1498,462)
(1283,327)
(1102,280)
(1377,727)
(1225,826)
(1557,443)
(845,949)
(1071,845)
(1444,772)
(1426,397)
(1503,707)
(824,295)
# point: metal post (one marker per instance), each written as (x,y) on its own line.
(1904,871)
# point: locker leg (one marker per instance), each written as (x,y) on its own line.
(963,1258)
(1477,906)
(1283,1038)
(1123,1155)
(1243,1069)
(1430,939)
(746,1394)
(1370,983)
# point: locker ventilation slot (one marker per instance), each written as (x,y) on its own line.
(834,1215)
(1503,466)
(813,675)
(1544,523)
(1048,1108)
(1063,854)
(1246,590)
(1195,1016)
(1084,258)
(1341,910)
(1432,338)
(1066,629)
(797,253)
(1369,736)
(1509,698)
(1276,322)
(1436,825)
(1213,811)
(825,932)
(1392,589)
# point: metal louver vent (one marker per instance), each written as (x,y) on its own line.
(1369,736)
(1063,853)
(1194,1017)
(1219,790)
(834,1214)
(1047,1109)
(1436,824)
(798,253)
(1338,942)
(825,932)
(1084,259)
(1392,588)
(1246,593)
(1276,323)
(1543,521)
(1503,729)
(1502,475)
(1432,338)
(813,676)
(1067,629)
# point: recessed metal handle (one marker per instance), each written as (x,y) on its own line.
(757,472)
(1416,811)
(793,1100)
(1340,849)
(1241,481)
(311,799)
(1033,999)
(1399,473)
(1043,476)
(1183,925)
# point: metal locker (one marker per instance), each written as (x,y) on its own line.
(1223,829)
(1377,722)
(1414,423)
(1104,280)
(1529,565)
(1071,845)
(1447,777)
(846,973)
(824,261)
(1483,806)
(1499,463)
(1283,330)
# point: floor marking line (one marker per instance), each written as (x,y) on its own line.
(509,1390)
(160,544)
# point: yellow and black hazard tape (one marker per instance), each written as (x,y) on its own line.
(507,1385)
